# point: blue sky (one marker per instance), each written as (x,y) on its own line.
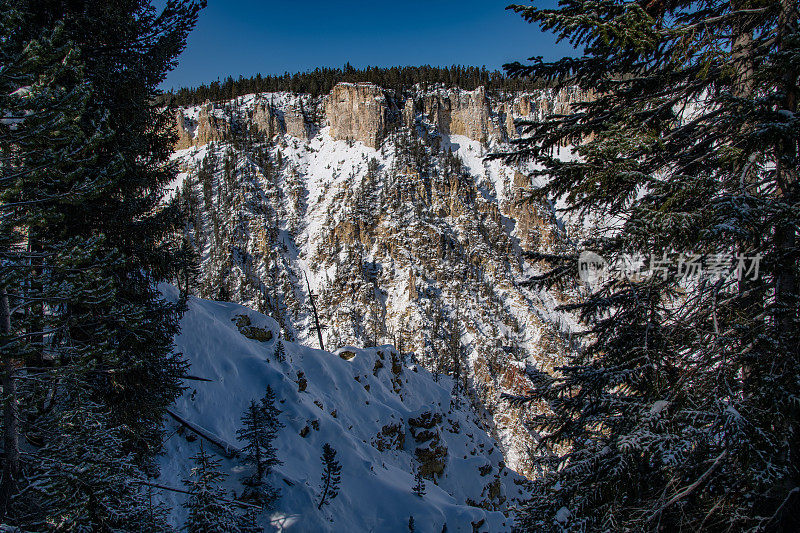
(244,37)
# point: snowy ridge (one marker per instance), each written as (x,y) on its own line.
(348,399)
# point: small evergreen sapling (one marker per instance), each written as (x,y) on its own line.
(331,475)
(260,427)
(254,434)
(419,482)
(280,351)
(271,412)
(249,523)
(208,509)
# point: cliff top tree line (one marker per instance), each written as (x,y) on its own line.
(322,80)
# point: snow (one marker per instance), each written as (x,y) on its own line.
(658,406)
(376,485)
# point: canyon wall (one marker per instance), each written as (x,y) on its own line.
(357,112)
(364,112)
(207,127)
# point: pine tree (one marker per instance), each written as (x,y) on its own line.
(260,428)
(254,433)
(679,412)
(419,482)
(411,526)
(84,233)
(208,507)
(248,523)
(280,351)
(86,479)
(270,412)
(455,353)
(331,475)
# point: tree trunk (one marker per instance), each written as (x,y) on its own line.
(10,439)
(5,313)
(10,417)
(226,450)
(785,234)
(787,298)
(36,308)
(316,316)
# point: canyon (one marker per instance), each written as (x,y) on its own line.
(383,207)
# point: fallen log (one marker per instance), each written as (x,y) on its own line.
(240,503)
(225,449)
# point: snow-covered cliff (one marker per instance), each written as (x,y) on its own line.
(382,414)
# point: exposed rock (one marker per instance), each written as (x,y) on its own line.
(357,112)
(184,134)
(408,113)
(457,112)
(267,120)
(522,105)
(210,127)
(390,437)
(290,119)
(295,120)
(207,128)
(432,459)
(511,128)
(549,101)
(412,285)
(347,355)
(470,115)
(426,420)
(535,227)
(250,331)
(302,382)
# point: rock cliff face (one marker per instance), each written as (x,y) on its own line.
(457,112)
(207,127)
(539,104)
(267,119)
(296,121)
(183,128)
(357,112)
(287,116)
(363,112)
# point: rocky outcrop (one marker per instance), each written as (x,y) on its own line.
(470,116)
(468,113)
(357,112)
(536,228)
(409,113)
(267,119)
(295,121)
(208,127)
(291,119)
(363,112)
(511,128)
(184,131)
(545,102)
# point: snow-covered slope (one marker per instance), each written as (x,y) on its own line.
(371,406)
